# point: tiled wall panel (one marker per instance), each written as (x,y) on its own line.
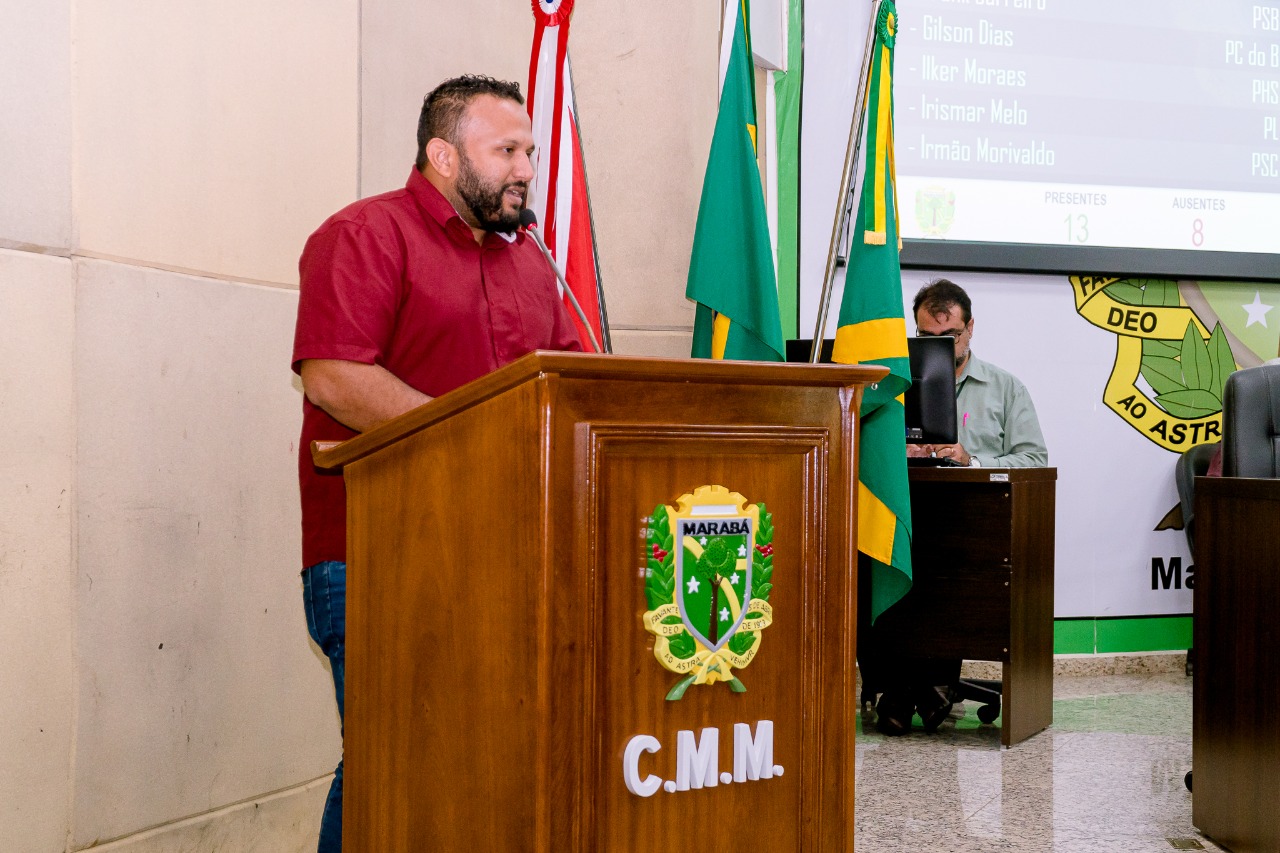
(37,318)
(213,136)
(35,136)
(198,684)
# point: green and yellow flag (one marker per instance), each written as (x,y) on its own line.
(872,330)
(731,274)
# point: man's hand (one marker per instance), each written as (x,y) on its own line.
(360,396)
(951,451)
(917,450)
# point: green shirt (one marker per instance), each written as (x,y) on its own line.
(996,418)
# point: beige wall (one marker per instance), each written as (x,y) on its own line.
(160,166)
(37,703)
(35,94)
(37,317)
(648,108)
(220,129)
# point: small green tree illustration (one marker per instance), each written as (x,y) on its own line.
(712,567)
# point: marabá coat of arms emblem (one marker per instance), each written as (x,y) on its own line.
(708,578)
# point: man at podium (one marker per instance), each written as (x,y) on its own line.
(405,296)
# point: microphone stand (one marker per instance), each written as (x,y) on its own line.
(533,231)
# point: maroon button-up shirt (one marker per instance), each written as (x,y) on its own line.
(399,281)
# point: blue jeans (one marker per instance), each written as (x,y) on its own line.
(324,597)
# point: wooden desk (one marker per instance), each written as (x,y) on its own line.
(982,561)
(1236,729)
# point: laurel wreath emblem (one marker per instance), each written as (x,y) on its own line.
(676,647)
(1187,375)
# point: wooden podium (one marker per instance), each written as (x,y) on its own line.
(502,687)
(1235,737)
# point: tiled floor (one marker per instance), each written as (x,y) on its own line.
(1107,776)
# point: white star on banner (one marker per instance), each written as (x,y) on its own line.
(703,541)
(693,585)
(1257,311)
(742,550)
(733,578)
(724,614)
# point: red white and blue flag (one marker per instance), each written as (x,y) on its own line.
(559,192)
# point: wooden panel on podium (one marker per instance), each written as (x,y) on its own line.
(1235,744)
(497,663)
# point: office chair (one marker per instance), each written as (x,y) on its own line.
(982,690)
(1251,423)
(1191,464)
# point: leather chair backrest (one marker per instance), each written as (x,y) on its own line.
(1191,464)
(1251,423)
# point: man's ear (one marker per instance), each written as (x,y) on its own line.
(442,157)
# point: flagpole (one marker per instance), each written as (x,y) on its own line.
(591,219)
(846,180)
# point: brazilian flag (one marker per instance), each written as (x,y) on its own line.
(731,273)
(872,330)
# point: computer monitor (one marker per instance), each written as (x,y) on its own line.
(799,350)
(931,399)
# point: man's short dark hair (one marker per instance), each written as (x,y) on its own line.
(444,106)
(938,296)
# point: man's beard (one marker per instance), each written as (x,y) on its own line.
(485,201)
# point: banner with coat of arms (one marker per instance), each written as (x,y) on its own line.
(1126,373)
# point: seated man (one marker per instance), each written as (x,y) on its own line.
(997,420)
(997,428)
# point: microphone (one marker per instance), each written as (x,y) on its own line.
(529,220)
